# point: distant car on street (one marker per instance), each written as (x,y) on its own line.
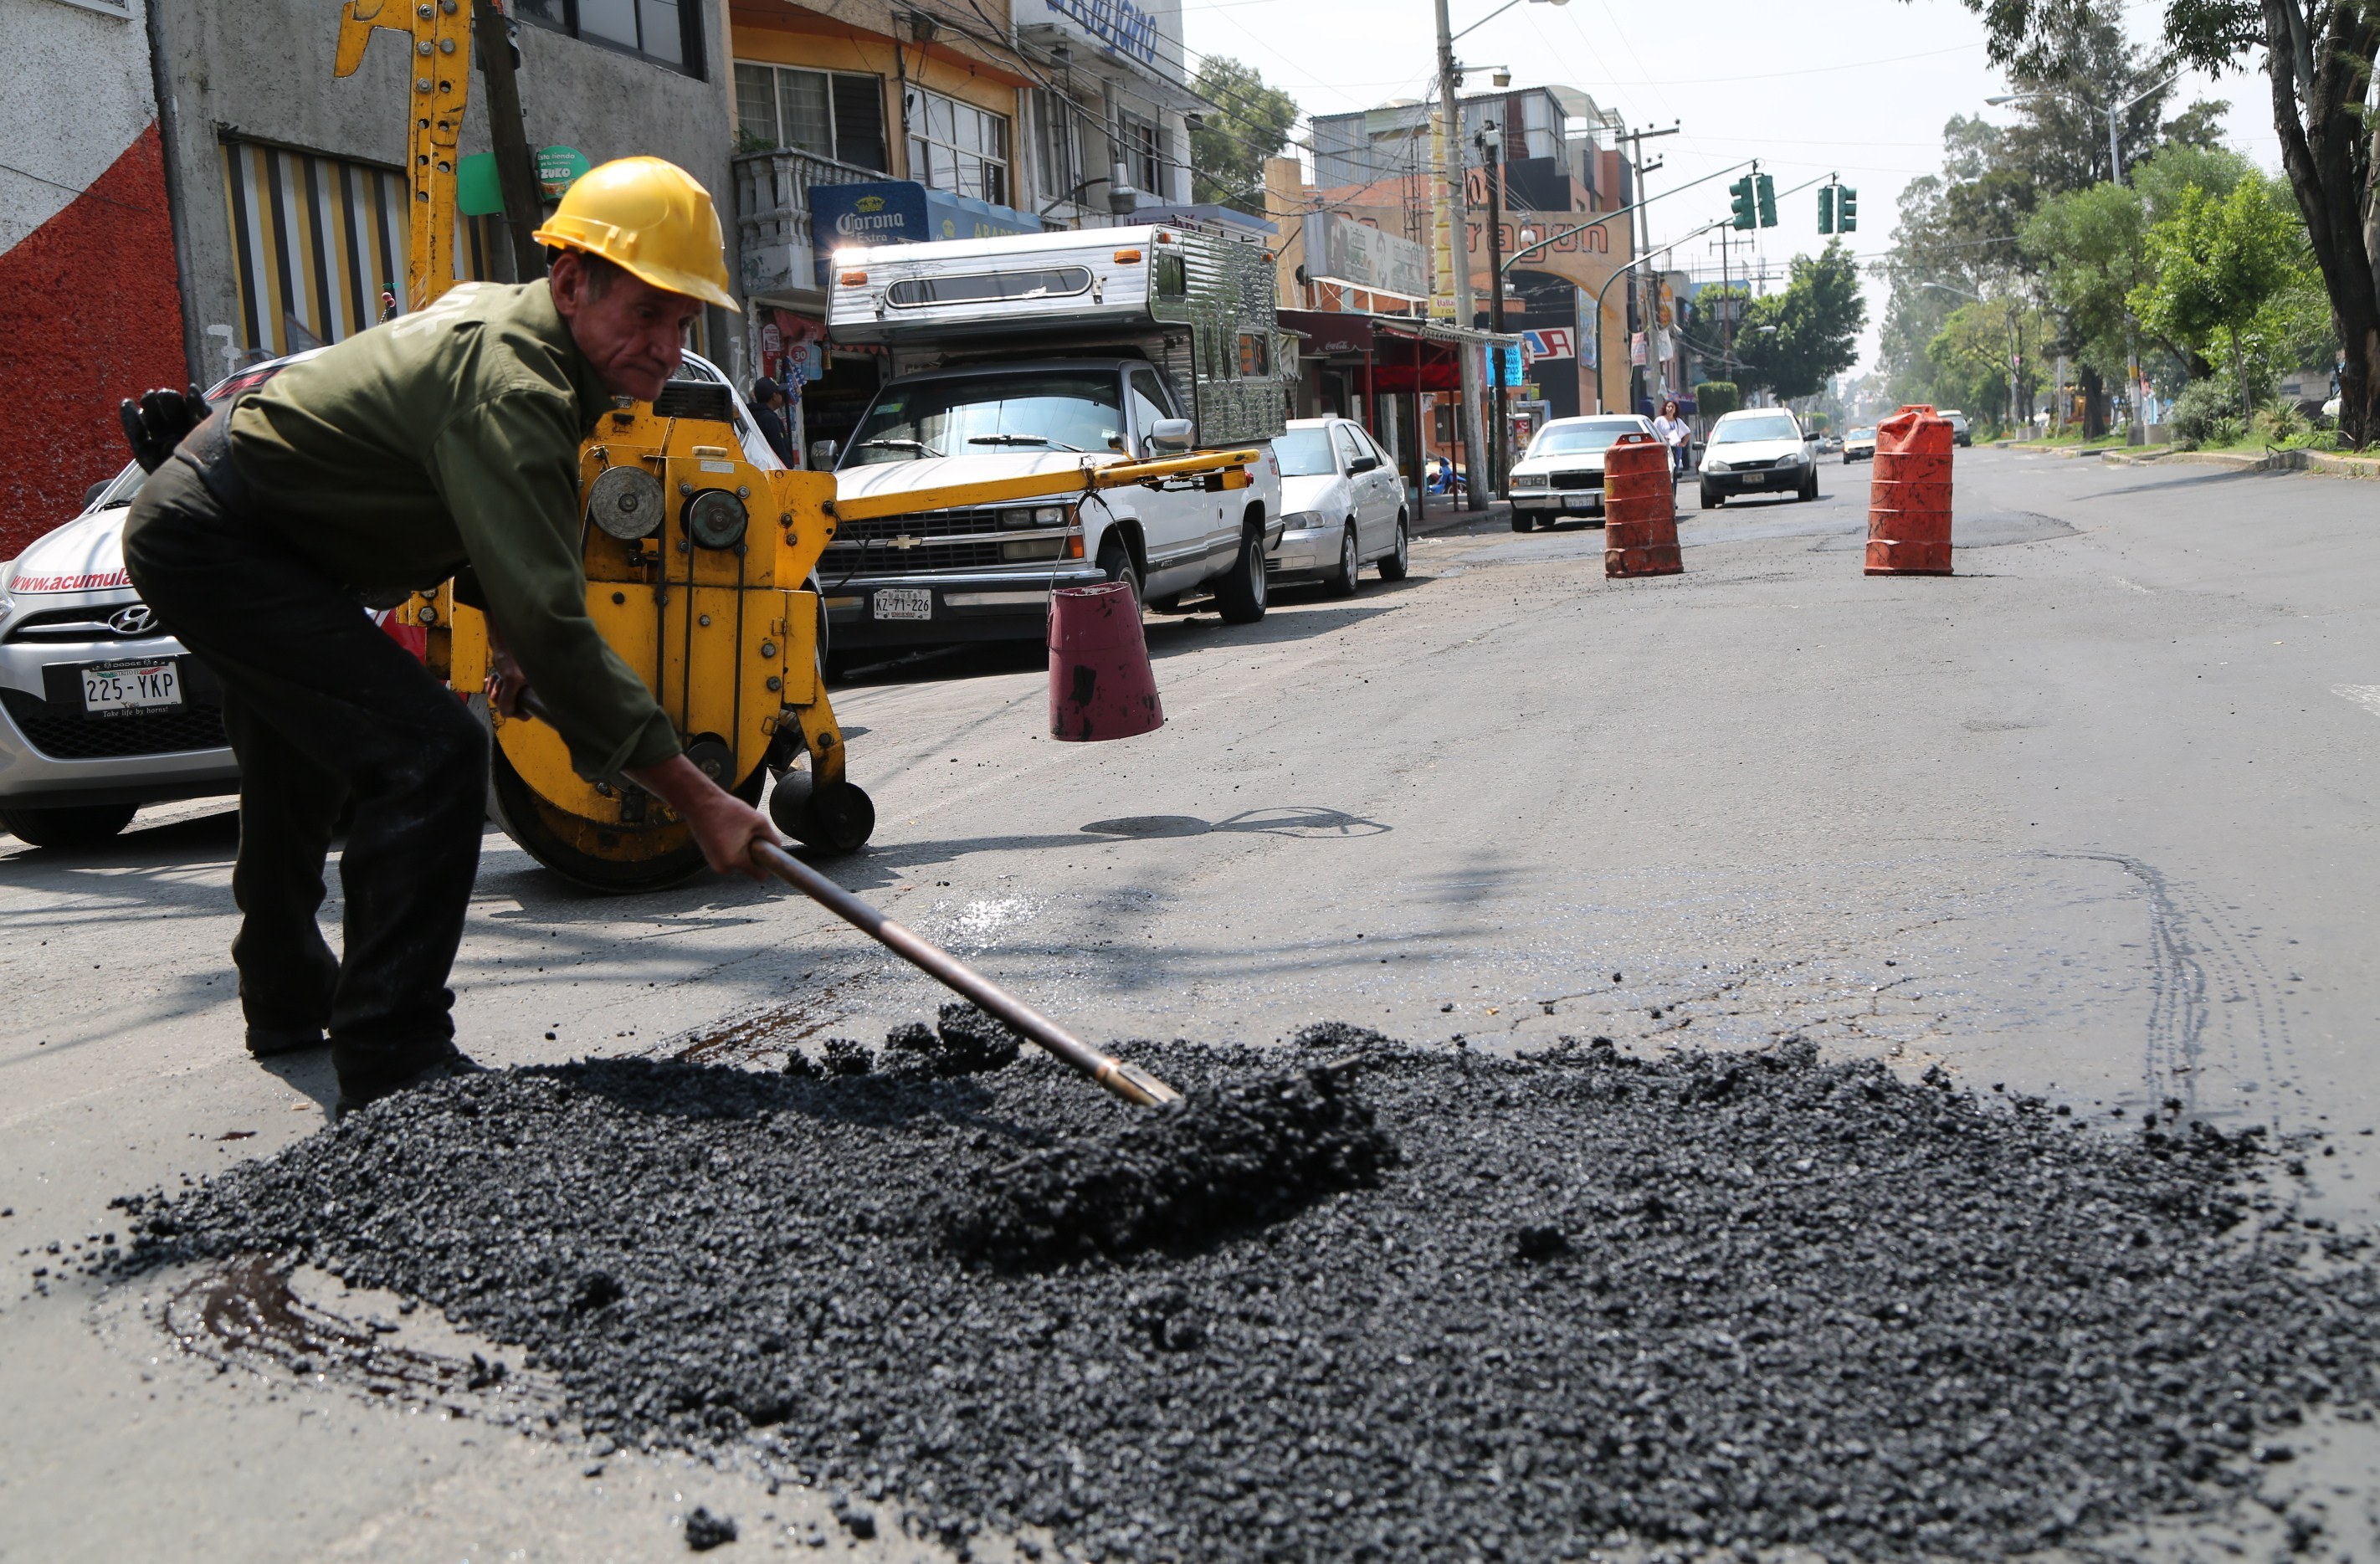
(100,711)
(1343,506)
(1859,445)
(1757,451)
(1561,472)
(1959,435)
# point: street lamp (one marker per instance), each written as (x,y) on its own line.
(2114,148)
(1647,258)
(1458,240)
(2114,172)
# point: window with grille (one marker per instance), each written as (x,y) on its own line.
(957,147)
(1144,153)
(665,32)
(829,113)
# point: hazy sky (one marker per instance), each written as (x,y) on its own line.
(1860,87)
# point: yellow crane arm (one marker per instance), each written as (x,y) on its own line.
(1230,468)
(440,32)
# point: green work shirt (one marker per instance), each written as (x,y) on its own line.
(450,437)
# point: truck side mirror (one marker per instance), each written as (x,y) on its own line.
(1171,434)
(821,455)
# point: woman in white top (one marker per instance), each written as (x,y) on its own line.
(1676,433)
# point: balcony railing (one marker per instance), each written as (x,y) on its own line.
(773,214)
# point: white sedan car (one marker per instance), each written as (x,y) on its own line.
(1342,504)
(1561,472)
(1757,451)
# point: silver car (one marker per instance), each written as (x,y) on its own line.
(1343,506)
(100,711)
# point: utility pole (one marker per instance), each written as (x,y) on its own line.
(1458,244)
(515,166)
(1497,424)
(1637,318)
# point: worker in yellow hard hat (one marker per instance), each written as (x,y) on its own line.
(443,443)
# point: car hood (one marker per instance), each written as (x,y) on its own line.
(934,472)
(85,556)
(1754,450)
(1325,492)
(1576,461)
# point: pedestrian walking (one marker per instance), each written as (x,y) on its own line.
(769,412)
(443,447)
(1677,434)
(387,304)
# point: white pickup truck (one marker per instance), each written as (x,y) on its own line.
(1045,354)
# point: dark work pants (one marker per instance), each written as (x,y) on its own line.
(323,707)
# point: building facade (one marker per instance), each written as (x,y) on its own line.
(90,306)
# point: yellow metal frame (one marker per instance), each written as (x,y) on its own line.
(440,34)
(1223,470)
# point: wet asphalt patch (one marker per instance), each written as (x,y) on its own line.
(1723,1300)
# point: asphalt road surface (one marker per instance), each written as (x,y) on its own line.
(2094,818)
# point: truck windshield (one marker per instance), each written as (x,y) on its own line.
(1078,410)
(1304,452)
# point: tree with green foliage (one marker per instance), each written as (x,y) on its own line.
(1717,398)
(2317,56)
(1971,356)
(1250,122)
(2219,269)
(1963,227)
(1792,342)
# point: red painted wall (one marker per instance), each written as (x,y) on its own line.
(91,314)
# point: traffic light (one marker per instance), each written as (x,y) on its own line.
(1846,210)
(1742,191)
(1826,209)
(1766,187)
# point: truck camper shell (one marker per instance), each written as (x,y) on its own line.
(1197,304)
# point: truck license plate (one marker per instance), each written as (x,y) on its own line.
(117,689)
(904,602)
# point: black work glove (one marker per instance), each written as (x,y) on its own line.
(159,421)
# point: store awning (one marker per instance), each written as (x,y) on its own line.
(1392,353)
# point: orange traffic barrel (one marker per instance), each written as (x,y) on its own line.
(1909,498)
(1640,509)
(1101,683)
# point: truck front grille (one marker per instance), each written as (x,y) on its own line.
(919,545)
(1576,480)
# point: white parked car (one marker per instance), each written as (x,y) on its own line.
(1561,472)
(1343,506)
(1757,451)
(100,711)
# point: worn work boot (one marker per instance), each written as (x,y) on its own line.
(360,1087)
(271,1042)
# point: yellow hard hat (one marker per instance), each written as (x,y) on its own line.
(651,219)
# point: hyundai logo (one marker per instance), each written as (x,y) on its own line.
(137,619)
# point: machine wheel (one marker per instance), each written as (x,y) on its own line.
(1522,521)
(74,825)
(1241,592)
(1397,561)
(1342,581)
(1809,488)
(1712,498)
(554,837)
(1116,564)
(838,818)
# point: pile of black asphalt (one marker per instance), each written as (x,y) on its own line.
(1354,1300)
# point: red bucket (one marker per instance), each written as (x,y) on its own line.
(1101,683)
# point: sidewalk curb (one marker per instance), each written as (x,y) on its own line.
(1430,526)
(2317,464)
